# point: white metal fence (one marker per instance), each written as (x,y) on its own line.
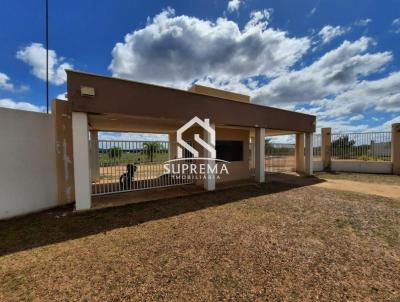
(317,146)
(136,165)
(369,146)
(279,157)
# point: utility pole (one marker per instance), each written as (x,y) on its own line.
(47,56)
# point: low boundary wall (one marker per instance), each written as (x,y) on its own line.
(357,166)
(28,176)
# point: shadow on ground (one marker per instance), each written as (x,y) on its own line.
(62,224)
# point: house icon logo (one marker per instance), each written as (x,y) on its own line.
(184,167)
(209,146)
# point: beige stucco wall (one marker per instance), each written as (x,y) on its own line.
(220,93)
(238,170)
(62,123)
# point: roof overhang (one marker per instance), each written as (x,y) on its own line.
(113,96)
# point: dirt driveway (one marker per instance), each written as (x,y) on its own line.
(381,185)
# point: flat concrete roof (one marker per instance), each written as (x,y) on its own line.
(114,96)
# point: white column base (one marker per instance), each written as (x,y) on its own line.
(81,161)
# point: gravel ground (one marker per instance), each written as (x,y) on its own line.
(267,242)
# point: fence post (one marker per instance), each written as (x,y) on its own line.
(396,148)
(308,154)
(326,148)
(94,156)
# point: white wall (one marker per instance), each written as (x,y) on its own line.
(378,167)
(357,166)
(28,179)
(317,165)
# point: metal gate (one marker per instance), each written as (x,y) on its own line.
(122,166)
(279,157)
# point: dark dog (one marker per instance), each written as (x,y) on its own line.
(126,179)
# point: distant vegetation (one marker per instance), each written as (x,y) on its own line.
(150,152)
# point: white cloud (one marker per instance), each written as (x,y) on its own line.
(62,96)
(133,136)
(381,95)
(362,22)
(333,73)
(386,126)
(9,103)
(357,117)
(233,5)
(328,33)
(375,96)
(258,19)
(313,11)
(35,56)
(5,83)
(396,26)
(259,61)
(177,50)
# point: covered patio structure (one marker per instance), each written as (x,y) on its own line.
(99,103)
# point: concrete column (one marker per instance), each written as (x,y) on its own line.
(308,154)
(61,112)
(172,147)
(252,162)
(94,156)
(209,182)
(81,160)
(396,148)
(260,155)
(326,148)
(299,153)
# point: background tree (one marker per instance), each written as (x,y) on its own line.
(115,152)
(150,149)
(343,147)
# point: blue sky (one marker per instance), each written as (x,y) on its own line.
(339,60)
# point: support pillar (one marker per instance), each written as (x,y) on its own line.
(61,112)
(260,154)
(396,148)
(172,145)
(299,153)
(326,148)
(81,160)
(308,154)
(209,182)
(94,156)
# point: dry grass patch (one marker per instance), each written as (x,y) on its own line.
(244,244)
(362,177)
